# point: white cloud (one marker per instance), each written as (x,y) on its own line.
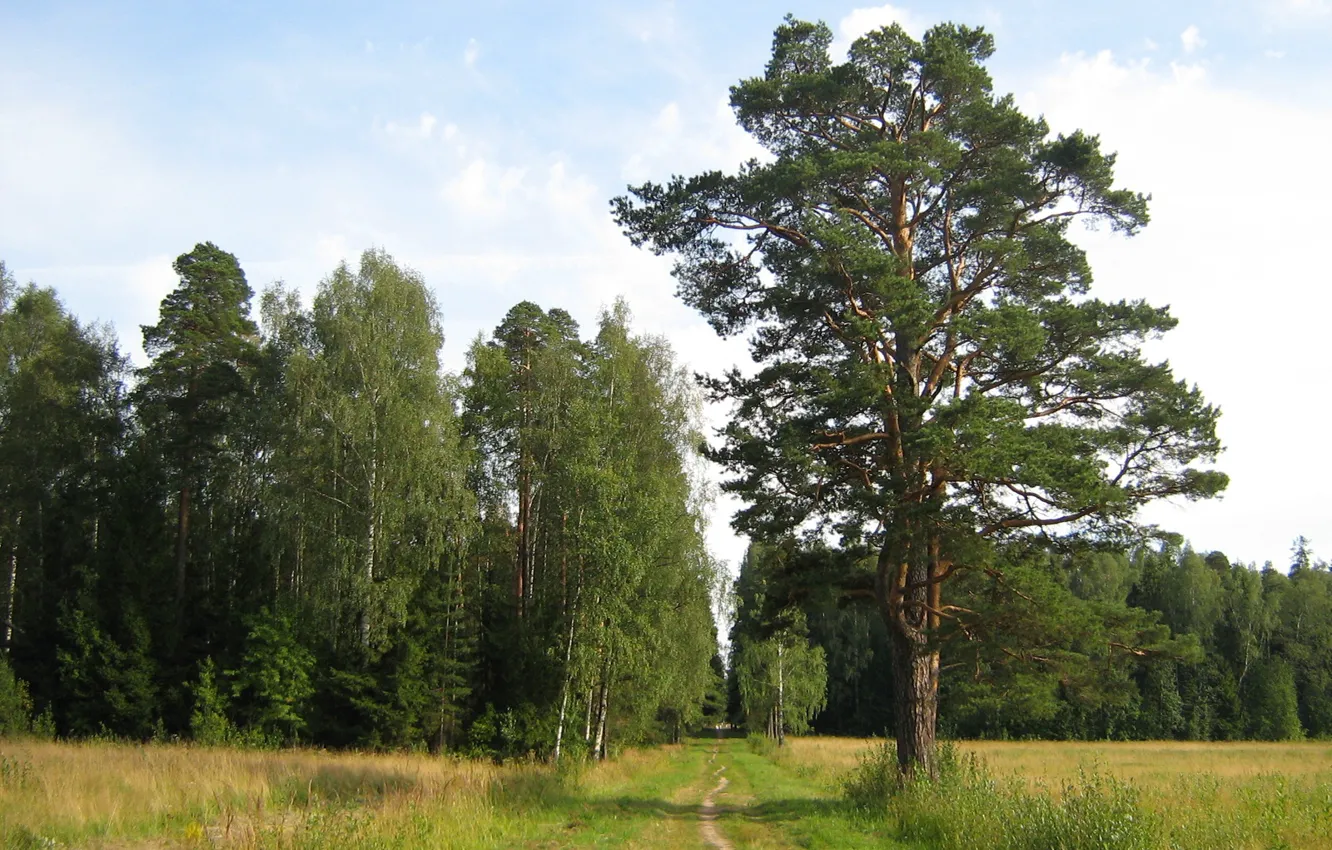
(1192,39)
(867,19)
(1274,54)
(482,188)
(1297,9)
(330,249)
(685,139)
(1296,14)
(1229,249)
(471,53)
(668,119)
(1186,74)
(421,130)
(649,24)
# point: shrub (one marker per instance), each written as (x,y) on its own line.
(208,722)
(15,705)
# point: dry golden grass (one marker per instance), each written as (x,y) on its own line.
(109,795)
(1149,764)
(117,792)
(1200,795)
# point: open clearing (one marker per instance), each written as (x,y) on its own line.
(704,793)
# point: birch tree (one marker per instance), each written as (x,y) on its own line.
(375,461)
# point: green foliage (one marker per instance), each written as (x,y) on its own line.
(273,682)
(932,377)
(1270,702)
(108,686)
(209,724)
(15,704)
(193,397)
(372,473)
(783,676)
(332,477)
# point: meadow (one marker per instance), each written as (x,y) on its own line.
(815,792)
(1147,794)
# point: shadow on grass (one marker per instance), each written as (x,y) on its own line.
(339,784)
(714,734)
(773,811)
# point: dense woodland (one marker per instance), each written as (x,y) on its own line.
(1064,642)
(301,530)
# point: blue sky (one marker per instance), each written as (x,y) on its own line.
(480,143)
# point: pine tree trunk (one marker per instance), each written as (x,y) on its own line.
(524,520)
(97,506)
(182,547)
(910,571)
(915,703)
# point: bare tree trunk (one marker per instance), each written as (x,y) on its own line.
(781,698)
(97,505)
(182,547)
(13,582)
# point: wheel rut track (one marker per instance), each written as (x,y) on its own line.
(707,813)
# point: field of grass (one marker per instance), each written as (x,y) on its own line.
(1152,764)
(1027,795)
(1173,794)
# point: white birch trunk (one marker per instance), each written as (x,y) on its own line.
(568,680)
(372,531)
(13,583)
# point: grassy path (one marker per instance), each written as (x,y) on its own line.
(707,793)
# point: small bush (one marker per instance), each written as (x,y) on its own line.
(15,705)
(760,744)
(208,722)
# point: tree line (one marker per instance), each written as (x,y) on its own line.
(1156,641)
(300,529)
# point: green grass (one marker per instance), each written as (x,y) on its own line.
(771,803)
(103,795)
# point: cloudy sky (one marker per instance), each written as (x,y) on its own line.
(480,142)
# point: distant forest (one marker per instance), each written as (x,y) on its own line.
(300,530)
(1064,640)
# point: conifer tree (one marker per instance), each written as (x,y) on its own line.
(933,378)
